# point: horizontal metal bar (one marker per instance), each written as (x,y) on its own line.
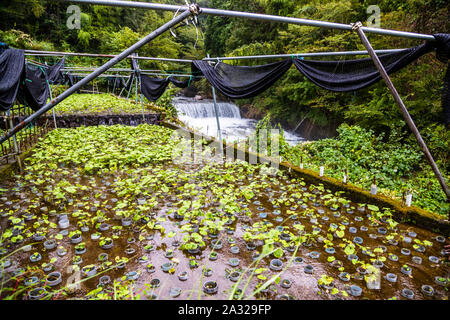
(83,69)
(69,69)
(36,53)
(146,73)
(312,54)
(253,16)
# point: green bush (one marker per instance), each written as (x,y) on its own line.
(397,165)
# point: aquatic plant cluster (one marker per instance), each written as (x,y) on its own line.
(101,104)
(108,204)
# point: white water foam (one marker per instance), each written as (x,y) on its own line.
(200,115)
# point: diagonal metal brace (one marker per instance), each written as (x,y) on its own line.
(358,28)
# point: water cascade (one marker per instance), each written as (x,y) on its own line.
(200,115)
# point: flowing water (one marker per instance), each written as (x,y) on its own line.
(200,115)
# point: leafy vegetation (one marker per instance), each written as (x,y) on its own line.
(101,104)
(398,167)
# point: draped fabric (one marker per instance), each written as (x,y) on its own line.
(238,82)
(54,73)
(153,88)
(443,54)
(352,75)
(12,63)
(34,87)
(68,78)
(181,83)
(235,82)
(445,99)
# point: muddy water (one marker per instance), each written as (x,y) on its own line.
(303,286)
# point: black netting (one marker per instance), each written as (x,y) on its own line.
(446,96)
(352,75)
(238,82)
(443,54)
(153,88)
(12,63)
(54,73)
(33,89)
(181,83)
(442,45)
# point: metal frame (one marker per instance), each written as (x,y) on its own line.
(189,10)
(272,56)
(252,16)
(305,55)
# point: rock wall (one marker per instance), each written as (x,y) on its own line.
(72,121)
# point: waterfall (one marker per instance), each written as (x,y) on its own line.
(205,109)
(201,116)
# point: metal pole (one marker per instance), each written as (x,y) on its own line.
(137,80)
(131,86)
(287,55)
(37,53)
(216,111)
(16,146)
(405,113)
(148,73)
(253,16)
(140,89)
(53,109)
(312,54)
(193,9)
(114,86)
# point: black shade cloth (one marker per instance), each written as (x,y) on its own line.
(238,82)
(352,75)
(54,73)
(153,88)
(446,96)
(442,45)
(443,54)
(181,83)
(12,63)
(33,89)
